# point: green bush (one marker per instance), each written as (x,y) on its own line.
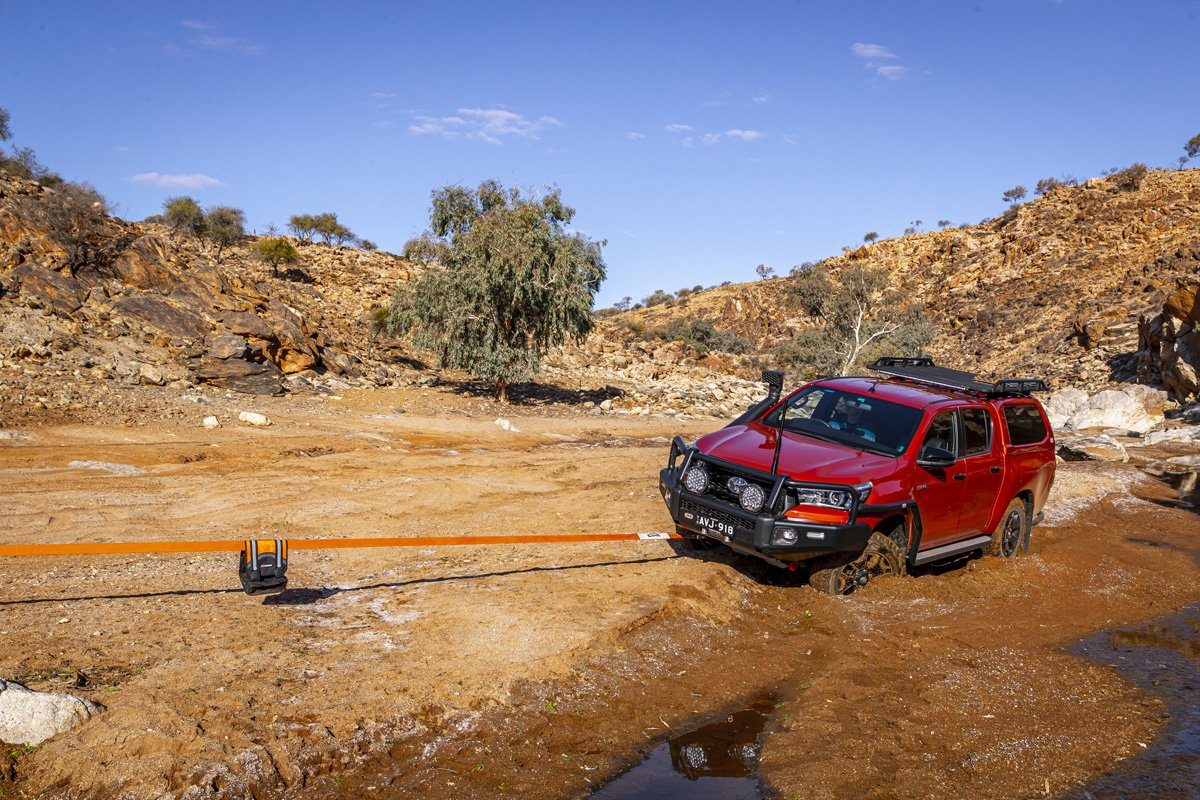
(275,251)
(657,298)
(1130,178)
(702,336)
(224,226)
(183,215)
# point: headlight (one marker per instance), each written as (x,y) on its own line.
(832,498)
(752,498)
(695,480)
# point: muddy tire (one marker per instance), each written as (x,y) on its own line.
(1012,534)
(883,555)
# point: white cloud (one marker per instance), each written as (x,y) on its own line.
(197,25)
(676,127)
(124,148)
(195,180)
(710,138)
(635,136)
(687,141)
(759,99)
(892,72)
(790,138)
(872,54)
(491,125)
(871,51)
(227,44)
(744,135)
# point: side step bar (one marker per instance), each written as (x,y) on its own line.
(952,549)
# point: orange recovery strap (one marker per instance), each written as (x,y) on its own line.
(240,545)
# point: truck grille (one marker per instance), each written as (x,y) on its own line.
(719,481)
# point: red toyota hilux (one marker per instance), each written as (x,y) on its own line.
(857,477)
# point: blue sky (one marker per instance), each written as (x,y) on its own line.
(699,139)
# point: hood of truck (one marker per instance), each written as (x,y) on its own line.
(801,457)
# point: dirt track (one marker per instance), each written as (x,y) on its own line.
(536,671)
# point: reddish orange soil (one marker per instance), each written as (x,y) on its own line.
(535,671)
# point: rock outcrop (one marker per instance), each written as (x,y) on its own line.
(30,718)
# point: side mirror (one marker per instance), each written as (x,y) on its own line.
(936,457)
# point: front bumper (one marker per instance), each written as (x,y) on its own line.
(754,534)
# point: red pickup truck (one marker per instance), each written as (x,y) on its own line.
(858,477)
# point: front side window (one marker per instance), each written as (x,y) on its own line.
(854,420)
(942,433)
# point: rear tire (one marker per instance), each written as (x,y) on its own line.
(883,555)
(1012,534)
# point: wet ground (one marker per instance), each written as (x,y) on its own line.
(542,672)
(716,760)
(1162,658)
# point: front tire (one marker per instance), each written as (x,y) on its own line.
(882,556)
(1012,534)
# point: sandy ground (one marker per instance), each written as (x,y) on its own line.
(534,670)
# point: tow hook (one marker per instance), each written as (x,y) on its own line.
(861,578)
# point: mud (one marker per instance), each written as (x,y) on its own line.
(1162,658)
(539,671)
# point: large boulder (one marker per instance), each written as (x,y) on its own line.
(52,290)
(30,718)
(247,377)
(221,346)
(1080,447)
(1064,403)
(247,323)
(1117,408)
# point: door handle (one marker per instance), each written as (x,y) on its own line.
(962,476)
(994,469)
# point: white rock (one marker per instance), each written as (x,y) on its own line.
(107,466)
(606,405)
(30,718)
(1114,409)
(1062,404)
(151,375)
(505,425)
(211,422)
(1189,433)
(1080,447)
(254,418)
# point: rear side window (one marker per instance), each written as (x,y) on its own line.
(977,431)
(1025,424)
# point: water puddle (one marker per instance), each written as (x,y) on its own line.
(1162,657)
(715,761)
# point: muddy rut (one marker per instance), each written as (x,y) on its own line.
(538,671)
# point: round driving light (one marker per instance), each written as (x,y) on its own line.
(695,480)
(786,536)
(737,484)
(752,498)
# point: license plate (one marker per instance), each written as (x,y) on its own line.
(715,526)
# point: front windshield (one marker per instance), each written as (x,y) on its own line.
(855,420)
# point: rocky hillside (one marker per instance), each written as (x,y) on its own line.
(1055,287)
(158,309)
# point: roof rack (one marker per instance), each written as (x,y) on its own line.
(921,369)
